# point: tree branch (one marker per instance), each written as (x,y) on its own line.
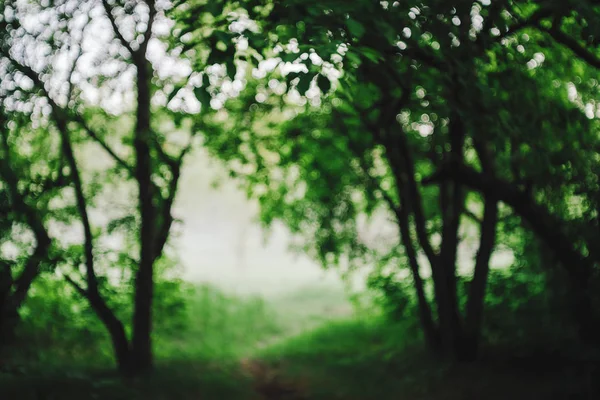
(116,30)
(81,201)
(78,288)
(70,74)
(531,21)
(151,17)
(402,165)
(95,137)
(33,220)
(487,242)
(540,219)
(166,219)
(34,76)
(416,202)
(59,116)
(175,165)
(403,223)
(574,46)
(471,215)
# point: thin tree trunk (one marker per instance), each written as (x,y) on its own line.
(113,325)
(443,274)
(452,203)
(7,311)
(106,315)
(429,329)
(402,166)
(9,319)
(144,285)
(550,230)
(411,203)
(402,214)
(487,241)
(476,299)
(401,161)
(117,334)
(141,346)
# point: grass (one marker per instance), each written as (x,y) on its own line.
(372,359)
(171,380)
(198,359)
(220,326)
(307,342)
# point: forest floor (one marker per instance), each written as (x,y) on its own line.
(326,355)
(356,361)
(349,360)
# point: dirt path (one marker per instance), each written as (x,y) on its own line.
(270,383)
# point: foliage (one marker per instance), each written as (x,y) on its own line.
(455,130)
(58,327)
(141,148)
(432,112)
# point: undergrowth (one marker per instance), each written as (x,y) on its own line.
(308,339)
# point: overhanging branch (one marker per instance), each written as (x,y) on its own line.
(39,84)
(116,30)
(573,45)
(78,288)
(544,224)
(96,138)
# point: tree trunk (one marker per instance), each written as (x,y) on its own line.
(476,299)
(144,284)
(5,286)
(9,318)
(430,332)
(550,230)
(451,335)
(117,334)
(444,273)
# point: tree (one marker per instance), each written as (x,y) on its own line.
(46,55)
(441,111)
(23,186)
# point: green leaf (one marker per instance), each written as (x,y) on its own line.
(371,54)
(353,58)
(288,57)
(356,28)
(215,8)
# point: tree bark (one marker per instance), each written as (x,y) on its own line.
(430,331)
(6,309)
(117,334)
(144,283)
(549,230)
(9,319)
(476,297)
(410,203)
(452,204)
(442,265)
(106,315)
